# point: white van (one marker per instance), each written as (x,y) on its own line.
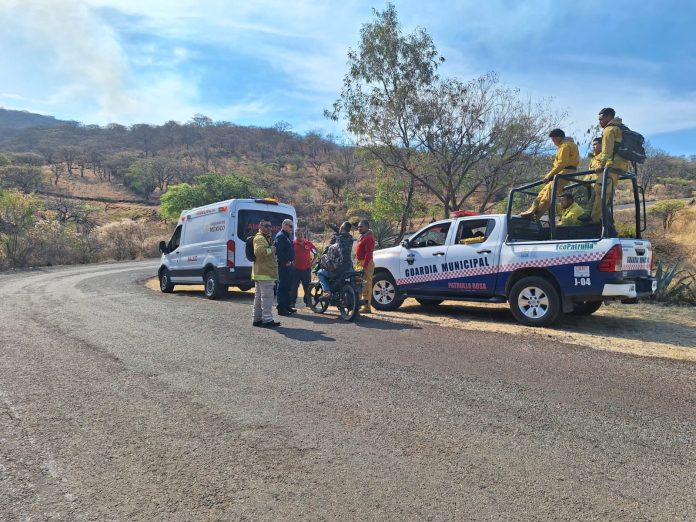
(208,244)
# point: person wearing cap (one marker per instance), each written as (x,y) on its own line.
(569,211)
(611,134)
(566,161)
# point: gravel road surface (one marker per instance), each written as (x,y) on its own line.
(120,403)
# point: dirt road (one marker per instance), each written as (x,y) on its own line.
(120,403)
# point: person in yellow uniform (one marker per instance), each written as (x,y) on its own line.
(595,163)
(566,161)
(611,134)
(569,211)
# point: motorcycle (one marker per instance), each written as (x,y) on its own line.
(345,295)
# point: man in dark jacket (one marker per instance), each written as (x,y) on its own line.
(285,252)
(345,242)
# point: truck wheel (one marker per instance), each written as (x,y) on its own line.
(385,294)
(245,288)
(586,307)
(534,301)
(429,303)
(213,288)
(165,281)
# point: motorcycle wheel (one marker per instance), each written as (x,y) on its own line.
(348,304)
(317,304)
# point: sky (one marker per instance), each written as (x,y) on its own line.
(260,62)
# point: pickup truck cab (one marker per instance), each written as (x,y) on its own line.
(541,271)
(208,244)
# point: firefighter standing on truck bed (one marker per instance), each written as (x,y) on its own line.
(611,134)
(566,161)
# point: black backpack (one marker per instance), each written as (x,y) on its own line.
(631,147)
(249,249)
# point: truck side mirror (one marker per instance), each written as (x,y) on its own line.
(405,243)
(163,247)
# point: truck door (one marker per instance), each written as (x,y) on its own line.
(419,264)
(174,255)
(472,259)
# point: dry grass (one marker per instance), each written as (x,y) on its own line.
(677,244)
(683,232)
(89,186)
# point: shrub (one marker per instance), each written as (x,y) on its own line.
(17,219)
(385,235)
(674,285)
(126,239)
(23,177)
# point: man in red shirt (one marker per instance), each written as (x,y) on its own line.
(305,253)
(363,254)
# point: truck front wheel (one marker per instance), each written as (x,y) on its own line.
(534,301)
(385,295)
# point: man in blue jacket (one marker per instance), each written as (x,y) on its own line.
(285,252)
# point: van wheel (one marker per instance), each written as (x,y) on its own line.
(385,294)
(586,307)
(165,281)
(429,303)
(245,288)
(213,288)
(534,301)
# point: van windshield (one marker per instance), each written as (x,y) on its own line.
(248,221)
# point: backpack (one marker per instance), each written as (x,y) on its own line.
(249,249)
(332,258)
(631,145)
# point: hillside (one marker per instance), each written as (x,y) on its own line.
(12,119)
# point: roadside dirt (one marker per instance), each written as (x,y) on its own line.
(644,329)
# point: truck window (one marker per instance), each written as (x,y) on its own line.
(435,235)
(175,240)
(248,221)
(472,231)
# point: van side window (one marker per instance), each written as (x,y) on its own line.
(472,231)
(248,221)
(175,240)
(435,235)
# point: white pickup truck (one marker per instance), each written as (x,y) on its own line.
(542,271)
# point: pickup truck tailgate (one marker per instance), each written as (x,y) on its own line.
(636,256)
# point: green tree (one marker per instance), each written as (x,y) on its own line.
(667,211)
(17,219)
(141,177)
(208,188)
(380,92)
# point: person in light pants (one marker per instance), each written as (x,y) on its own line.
(264,272)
